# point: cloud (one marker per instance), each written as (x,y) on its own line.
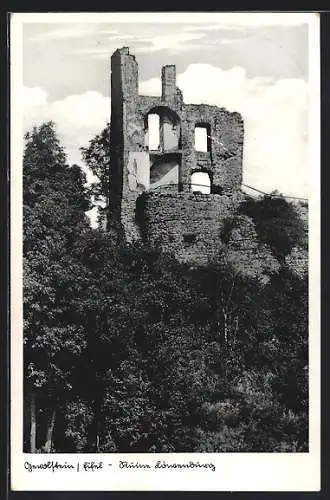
(174,41)
(106,45)
(150,87)
(123,36)
(33,98)
(210,27)
(231,41)
(78,117)
(70,31)
(143,45)
(98,50)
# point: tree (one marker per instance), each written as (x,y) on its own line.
(277,223)
(128,350)
(190,359)
(55,202)
(97,157)
(141,295)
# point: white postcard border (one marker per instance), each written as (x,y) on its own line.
(234,471)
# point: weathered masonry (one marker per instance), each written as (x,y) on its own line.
(186,159)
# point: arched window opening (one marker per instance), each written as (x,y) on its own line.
(202,138)
(200,183)
(162,130)
(153,131)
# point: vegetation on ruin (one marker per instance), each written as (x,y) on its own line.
(127,350)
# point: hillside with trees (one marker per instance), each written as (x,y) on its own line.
(127,350)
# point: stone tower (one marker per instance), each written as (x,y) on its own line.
(165,187)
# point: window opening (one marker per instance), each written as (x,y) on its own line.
(201,183)
(201,139)
(153,130)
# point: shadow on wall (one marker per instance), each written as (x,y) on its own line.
(164,171)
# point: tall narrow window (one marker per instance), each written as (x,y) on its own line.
(201,182)
(153,129)
(201,139)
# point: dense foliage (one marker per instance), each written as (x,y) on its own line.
(96,157)
(277,223)
(127,350)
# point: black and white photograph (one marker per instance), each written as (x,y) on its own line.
(165,268)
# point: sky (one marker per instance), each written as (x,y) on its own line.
(256,64)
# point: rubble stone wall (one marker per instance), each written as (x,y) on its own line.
(187,223)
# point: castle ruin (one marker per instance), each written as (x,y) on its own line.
(165,188)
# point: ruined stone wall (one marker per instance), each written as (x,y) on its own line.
(302,210)
(125,135)
(131,161)
(224,160)
(298,259)
(187,225)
